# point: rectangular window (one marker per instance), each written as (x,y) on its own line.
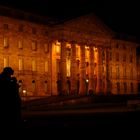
(34,45)
(34,65)
(6,62)
(21,64)
(131,58)
(124,57)
(6,42)
(110,56)
(20,44)
(117,56)
(46,48)
(46,66)
(117,72)
(5,26)
(124,71)
(131,73)
(21,28)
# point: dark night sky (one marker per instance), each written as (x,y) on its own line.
(120,16)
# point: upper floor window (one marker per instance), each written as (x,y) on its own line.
(34,45)
(21,28)
(20,44)
(46,47)
(34,30)
(131,58)
(124,57)
(117,56)
(5,26)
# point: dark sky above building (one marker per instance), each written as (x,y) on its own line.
(122,17)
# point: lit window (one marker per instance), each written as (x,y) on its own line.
(20,44)
(6,42)
(34,45)
(33,65)
(46,66)
(20,64)
(6,62)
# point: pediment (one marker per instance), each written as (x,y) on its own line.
(88,24)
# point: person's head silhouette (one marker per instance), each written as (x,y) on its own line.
(8,71)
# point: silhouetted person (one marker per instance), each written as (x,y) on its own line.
(10,104)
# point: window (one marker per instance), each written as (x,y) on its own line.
(34,45)
(46,48)
(117,56)
(34,65)
(20,44)
(34,30)
(124,57)
(21,28)
(46,66)
(131,58)
(124,71)
(131,73)
(110,56)
(21,64)
(5,26)
(117,71)
(6,62)
(6,42)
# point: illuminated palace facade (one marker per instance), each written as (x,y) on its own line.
(78,56)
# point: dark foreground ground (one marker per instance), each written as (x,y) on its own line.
(111,119)
(85,121)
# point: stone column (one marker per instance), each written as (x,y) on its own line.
(99,73)
(73,69)
(82,70)
(63,67)
(107,72)
(91,70)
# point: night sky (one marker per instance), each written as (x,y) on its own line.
(122,17)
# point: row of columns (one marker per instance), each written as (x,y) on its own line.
(82,70)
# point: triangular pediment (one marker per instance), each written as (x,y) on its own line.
(88,24)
